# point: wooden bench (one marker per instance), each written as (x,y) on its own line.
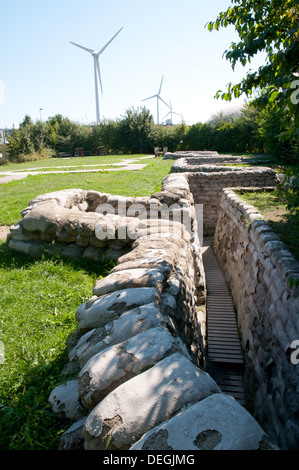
(158,151)
(64,154)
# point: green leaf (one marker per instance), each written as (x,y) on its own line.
(28,436)
(268,26)
(273,96)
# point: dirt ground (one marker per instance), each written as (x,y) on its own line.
(4,229)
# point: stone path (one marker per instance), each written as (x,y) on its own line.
(128,164)
(4,229)
(11,177)
(224,350)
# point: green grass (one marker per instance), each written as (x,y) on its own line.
(16,195)
(73,168)
(282,221)
(78,161)
(39,299)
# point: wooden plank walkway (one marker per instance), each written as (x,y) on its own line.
(225,359)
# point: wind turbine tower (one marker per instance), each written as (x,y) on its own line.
(97,73)
(171,112)
(157,95)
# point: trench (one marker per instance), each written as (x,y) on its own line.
(41,228)
(224,360)
(208,176)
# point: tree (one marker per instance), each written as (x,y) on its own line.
(107,134)
(200,137)
(136,131)
(289,189)
(20,142)
(220,118)
(27,122)
(270,26)
(171,137)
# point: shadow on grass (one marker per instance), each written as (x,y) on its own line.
(13,259)
(26,418)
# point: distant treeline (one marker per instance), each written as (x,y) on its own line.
(250,131)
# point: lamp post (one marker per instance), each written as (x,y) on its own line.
(40,113)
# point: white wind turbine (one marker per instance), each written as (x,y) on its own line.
(97,73)
(157,95)
(171,112)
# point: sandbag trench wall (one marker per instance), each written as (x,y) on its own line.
(189,153)
(207,181)
(262,275)
(64,223)
(140,341)
(199,158)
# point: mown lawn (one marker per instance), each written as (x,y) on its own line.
(16,195)
(68,162)
(39,299)
(282,221)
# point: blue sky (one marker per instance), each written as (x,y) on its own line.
(39,68)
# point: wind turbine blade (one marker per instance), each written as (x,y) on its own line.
(99,72)
(166,115)
(163,101)
(154,96)
(102,50)
(161,85)
(82,47)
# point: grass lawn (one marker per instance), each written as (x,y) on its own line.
(282,221)
(67,162)
(39,299)
(16,195)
